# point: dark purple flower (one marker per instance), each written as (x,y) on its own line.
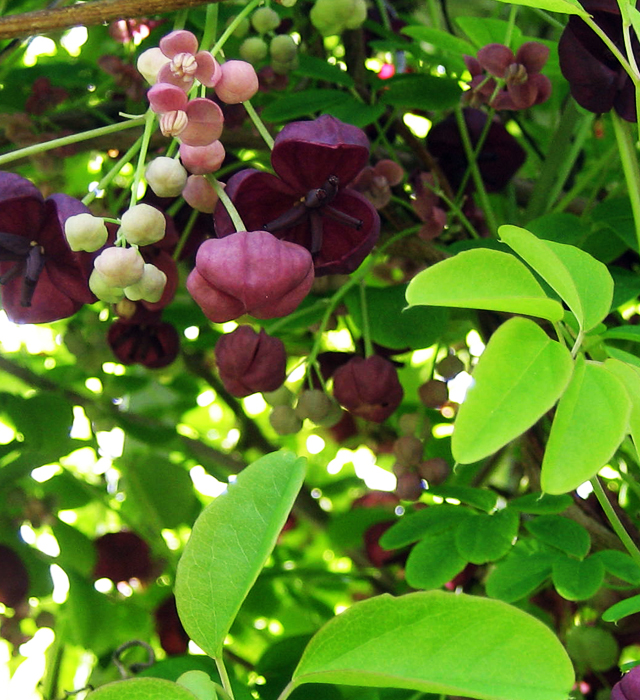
(499,159)
(144,339)
(628,688)
(43,279)
(598,82)
(14,578)
(173,638)
(249,362)
(122,556)
(307,201)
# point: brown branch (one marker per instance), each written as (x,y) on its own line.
(87,14)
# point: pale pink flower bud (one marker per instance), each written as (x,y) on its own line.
(173,123)
(120,267)
(85,232)
(239,82)
(149,64)
(103,290)
(143,225)
(150,287)
(200,160)
(166,176)
(200,194)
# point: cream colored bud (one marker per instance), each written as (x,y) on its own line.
(150,287)
(143,225)
(103,290)
(120,267)
(166,176)
(85,232)
(150,62)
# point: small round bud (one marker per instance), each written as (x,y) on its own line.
(313,404)
(254,49)
(408,450)
(434,471)
(264,20)
(433,393)
(280,397)
(450,367)
(150,287)
(409,487)
(85,232)
(242,28)
(239,82)
(150,62)
(143,225)
(120,267)
(283,48)
(414,424)
(103,290)
(199,194)
(284,420)
(200,160)
(166,176)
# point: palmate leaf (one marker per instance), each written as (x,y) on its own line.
(439,642)
(229,544)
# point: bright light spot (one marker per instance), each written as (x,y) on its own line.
(340,608)
(142,188)
(254,405)
(276,628)
(325,504)
(260,623)
(344,456)
(341,565)
(373,64)
(339,340)
(37,339)
(328,555)
(111,443)
(608,472)
(49,363)
(584,490)
(187,431)
(45,472)
(38,46)
(420,126)
(95,164)
(170,538)
(204,483)
(316,493)
(103,585)
(232,439)
(229,326)
(83,460)
(48,544)
(195,649)
(474,343)
(215,412)
(298,373)
(94,384)
(81,428)
(373,476)
(68,516)
(191,333)
(38,643)
(458,386)
(442,430)
(73,39)
(125,589)
(60,582)
(421,357)
(113,368)
(7,433)
(315,444)
(27,534)
(206,398)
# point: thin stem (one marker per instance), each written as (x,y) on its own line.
(232,27)
(149,126)
(210,27)
(185,234)
(259,124)
(513,13)
(629,159)
(87,199)
(224,677)
(366,331)
(382,9)
(238,223)
(578,343)
(613,518)
(67,140)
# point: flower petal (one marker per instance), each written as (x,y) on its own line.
(533,55)
(209,71)
(495,58)
(164,97)
(215,304)
(180,41)
(21,206)
(205,122)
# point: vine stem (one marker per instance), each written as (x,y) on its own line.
(248,9)
(613,518)
(224,676)
(629,160)
(88,198)
(228,205)
(149,126)
(259,124)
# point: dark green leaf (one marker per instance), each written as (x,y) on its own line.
(518,576)
(420,91)
(434,561)
(561,533)
(541,503)
(433,520)
(485,537)
(302,104)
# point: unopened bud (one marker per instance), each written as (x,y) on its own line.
(150,287)
(120,267)
(143,225)
(264,20)
(284,420)
(85,232)
(100,286)
(150,62)
(166,176)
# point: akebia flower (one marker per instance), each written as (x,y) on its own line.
(629,687)
(249,362)
(144,339)
(307,201)
(42,279)
(250,273)
(598,82)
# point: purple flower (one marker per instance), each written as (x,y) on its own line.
(307,202)
(598,82)
(42,279)
(628,688)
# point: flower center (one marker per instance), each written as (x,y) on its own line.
(515,74)
(313,206)
(29,260)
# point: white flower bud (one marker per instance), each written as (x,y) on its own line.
(120,267)
(150,287)
(103,290)
(150,62)
(85,232)
(143,225)
(166,176)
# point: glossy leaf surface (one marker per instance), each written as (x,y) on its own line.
(142,689)
(569,7)
(575,579)
(518,576)
(486,537)
(561,533)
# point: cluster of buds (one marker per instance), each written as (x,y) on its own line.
(282,50)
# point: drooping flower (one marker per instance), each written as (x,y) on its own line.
(629,687)
(307,201)
(42,279)
(144,339)
(598,82)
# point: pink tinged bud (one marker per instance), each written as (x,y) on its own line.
(105,291)
(179,41)
(199,194)
(173,123)
(149,64)
(239,82)
(120,267)
(250,272)
(201,160)
(249,362)
(150,287)
(205,122)
(85,232)
(164,97)
(142,225)
(391,171)
(166,176)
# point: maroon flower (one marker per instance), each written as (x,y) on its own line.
(249,362)
(628,688)
(598,82)
(369,388)
(307,202)
(14,578)
(144,339)
(173,637)
(250,273)
(122,556)
(43,279)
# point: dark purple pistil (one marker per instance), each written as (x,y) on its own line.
(29,260)
(314,205)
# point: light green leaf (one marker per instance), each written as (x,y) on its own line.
(583,282)
(518,576)
(229,544)
(590,422)
(567,7)
(619,564)
(561,533)
(141,689)
(439,642)
(577,580)
(541,503)
(486,537)
(624,608)
(434,561)
(519,377)
(483,278)
(443,41)
(433,520)
(199,683)
(629,375)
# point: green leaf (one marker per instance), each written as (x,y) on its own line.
(624,608)
(484,499)
(567,7)
(302,104)
(432,520)
(518,576)
(318,68)
(630,377)
(581,281)
(229,544)
(561,533)
(487,30)
(353,111)
(590,422)
(199,683)
(487,537)
(483,279)
(577,580)
(443,41)
(619,564)
(142,689)
(434,561)
(520,375)
(541,503)
(439,642)
(420,91)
